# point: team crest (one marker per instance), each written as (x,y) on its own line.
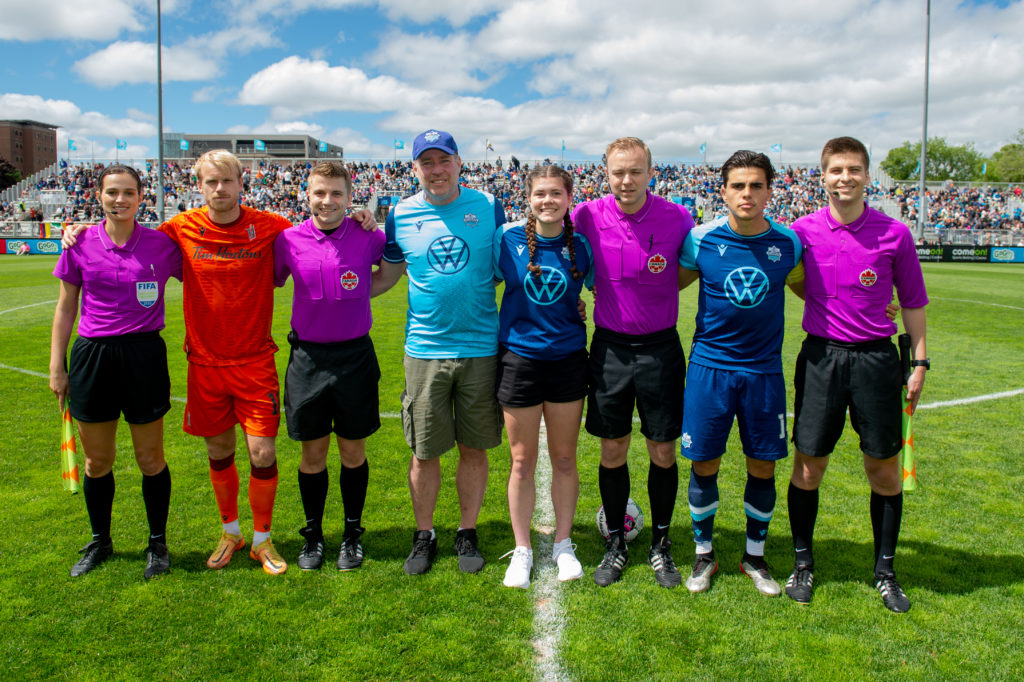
(470,220)
(686,440)
(147,293)
(565,252)
(656,263)
(868,277)
(251,232)
(774,254)
(432,136)
(349,280)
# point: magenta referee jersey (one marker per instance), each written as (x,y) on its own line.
(851,271)
(331,273)
(636,262)
(122,287)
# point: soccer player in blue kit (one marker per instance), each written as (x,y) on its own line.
(744,260)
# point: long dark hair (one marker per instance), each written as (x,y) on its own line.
(549,171)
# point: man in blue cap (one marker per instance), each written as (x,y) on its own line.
(442,238)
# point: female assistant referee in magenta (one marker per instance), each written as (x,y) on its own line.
(119,361)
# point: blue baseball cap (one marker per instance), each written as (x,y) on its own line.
(434,139)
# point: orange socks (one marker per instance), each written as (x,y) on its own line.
(262,489)
(224,477)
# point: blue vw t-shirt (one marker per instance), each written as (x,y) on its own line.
(741,306)
(447,249)
(539,318)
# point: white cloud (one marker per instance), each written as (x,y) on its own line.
(63,19)
(72,119)
(455,12)
(279,128)
(451,63)
(139,114)
(296,86)
(197,59)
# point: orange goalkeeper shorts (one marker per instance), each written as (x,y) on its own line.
(220,397)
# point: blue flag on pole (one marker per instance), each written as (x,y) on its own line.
(71,146)
(122,144)
(183,145)
(984,168)
(323,146)
(703,147)
(776,147)
(399,144)
(259,145)
(563,145)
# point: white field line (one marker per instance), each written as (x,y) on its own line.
(543,462)
(30,305)
(548,613)
(964,300)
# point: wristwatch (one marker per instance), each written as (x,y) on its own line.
(926,363)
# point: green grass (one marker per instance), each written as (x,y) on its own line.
(960,559)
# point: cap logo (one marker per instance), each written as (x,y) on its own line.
(432,136)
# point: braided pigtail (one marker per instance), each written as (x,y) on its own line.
(531,243)
(567,230)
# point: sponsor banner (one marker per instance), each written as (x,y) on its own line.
(49,247)
(968,254)
(1007,254)
(965,254)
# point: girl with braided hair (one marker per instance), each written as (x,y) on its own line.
(542,360)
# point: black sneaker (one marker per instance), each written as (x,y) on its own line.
(798,587)
(351,555)
(704,566)
(157,560)
(893,596)
(665,572)
(470,558)
(93,554)
(616,556)
(312,555)
(424,549)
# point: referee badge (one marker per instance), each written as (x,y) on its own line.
(868,277)
(147,293)
(656,263)
(349,281)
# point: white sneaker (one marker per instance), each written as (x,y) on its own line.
(518,572)
(569,567)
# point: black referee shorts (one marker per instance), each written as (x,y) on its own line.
(331,387)
(865,377)
(111,375)
(646,370)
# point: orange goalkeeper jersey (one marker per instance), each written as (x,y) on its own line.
(228,284)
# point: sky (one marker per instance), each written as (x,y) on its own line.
(778,76)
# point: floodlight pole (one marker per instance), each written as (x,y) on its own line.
(159,121)
(922,216)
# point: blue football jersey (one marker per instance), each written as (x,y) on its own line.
(448,252)
(741,306)
(539,318)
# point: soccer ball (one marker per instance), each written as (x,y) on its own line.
(634,521)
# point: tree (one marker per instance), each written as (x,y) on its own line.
(1007,164)
(9,175)
(945,161)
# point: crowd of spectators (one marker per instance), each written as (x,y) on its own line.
(281,188)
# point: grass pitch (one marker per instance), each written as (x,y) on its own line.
(959,560)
